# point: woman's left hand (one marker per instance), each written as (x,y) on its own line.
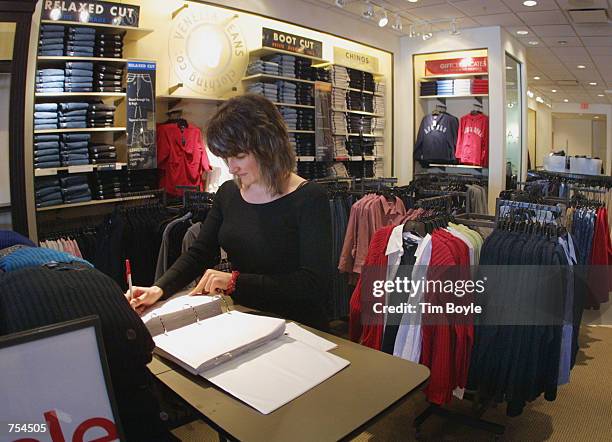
(213,282)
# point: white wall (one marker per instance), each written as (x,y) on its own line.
(5,184)
(575,136)
(606,109)
(599,140)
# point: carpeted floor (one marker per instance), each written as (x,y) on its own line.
(581,412)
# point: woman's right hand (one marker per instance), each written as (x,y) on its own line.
(143,297)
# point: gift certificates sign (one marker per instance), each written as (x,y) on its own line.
(465,65)
(208,51)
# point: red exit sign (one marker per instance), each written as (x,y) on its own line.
(584,105)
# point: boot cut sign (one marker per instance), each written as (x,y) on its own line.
(105,430)
(293,40)
(273,38)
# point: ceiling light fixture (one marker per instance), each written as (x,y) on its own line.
(368,11)
(384,19)
(581,66)
(539,100)
(509,68)
(592,83)
(530,94)
(340,3)
(413,1)
(536,78)
(427,35)
(553,90)
(600,95)
(522,32)
(55,14)
(534,43)
(562,42)
(529,3)
(398,26)
(411,32)
(453,28)
(565,100)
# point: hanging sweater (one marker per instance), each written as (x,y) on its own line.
(473,140)
(437,138)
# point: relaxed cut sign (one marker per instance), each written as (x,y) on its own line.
(452,66)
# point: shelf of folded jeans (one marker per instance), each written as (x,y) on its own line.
(295,131)
(340,134)
(305,158)
(349,111)
(95,202)
(131,33)
(357,90)
(170,97)
(451,76)
(78,169)
(356,158)
(271,51)
(67,58)
(79,94)
(305,106)
(467,166)
(455,96)
(270,77)
(82,130)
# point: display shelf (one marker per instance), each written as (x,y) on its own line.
(466,166)
(79,169)
(349,111)
(95,202)
(264,77)
(353,89)
(303,106)
(271,51)
(49,59)
(326,64)
(80,130)
(356,158)
(131,33)
(451,76)
(295,131)
(80,94)
(170,97)
(338,134)
(424,97)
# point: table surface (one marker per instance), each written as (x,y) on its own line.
(334,409)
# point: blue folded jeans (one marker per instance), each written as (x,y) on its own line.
(73,180)
(55,202)
(46,158)
(76,162)
(73,106)
(45,126)
(45,114)
(54,53)
(75,154)
(74,113)
(75,144)
(73,125)
(52,196)
(50,27)
(72,119)
(47,164)
(47,191)
(50,72)
(75,189)
(73,53)
(51,47)
(49,84)
(50,41)
(78,89)
(46,35)
(82,199)
(40,145)
(40,121)
(81,65)
(45,107)
(76,137)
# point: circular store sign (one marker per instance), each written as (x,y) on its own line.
(207,50)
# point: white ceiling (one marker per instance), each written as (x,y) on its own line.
(561,44)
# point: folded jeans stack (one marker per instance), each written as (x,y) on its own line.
(285,62)
(51,40)
(360,169)
(102,153)
(304,70)
(305,144)
(46,151)
(428,88)
(101,115)
(312,170)
(109,45)
(379,105)
(45,116)
(359,124)
(286,92)
(339,125)
(305,94)
(47,192)
(106,185)
(78,76)
(444,87)
(360,146)
(378,124)
(50,80)
(107,79)
(80,41)
(322,74)
(268,90)
(73,115)
(380,87)
(338,99)
(338,170)
(73,149)
(75,189)
(340,147)
(263,67)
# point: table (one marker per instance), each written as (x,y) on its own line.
(339,408)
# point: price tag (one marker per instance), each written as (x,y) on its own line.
(82,168)
(45,172)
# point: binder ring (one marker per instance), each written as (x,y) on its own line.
(154,315)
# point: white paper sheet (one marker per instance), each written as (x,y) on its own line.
(275,373)
(215,340)
(301,334)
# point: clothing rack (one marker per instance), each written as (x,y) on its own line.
(444,201)
(476,220)
(556,210)
(603,180)
(197,199)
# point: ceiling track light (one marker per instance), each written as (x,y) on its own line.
(368,11)
(398,25)
(412,31)
(384,19)
(340,3)
(453,28)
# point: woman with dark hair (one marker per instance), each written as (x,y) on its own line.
(274,225)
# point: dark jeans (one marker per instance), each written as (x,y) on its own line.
(76,137)
(73,106)
(73,125)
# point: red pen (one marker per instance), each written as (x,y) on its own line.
(128,276)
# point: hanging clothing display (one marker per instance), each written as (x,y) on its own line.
(437,138)
(181,157)
(473,140)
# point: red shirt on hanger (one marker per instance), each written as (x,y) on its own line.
(473,140)
(181,157)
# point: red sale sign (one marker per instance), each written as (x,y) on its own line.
(466,65)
